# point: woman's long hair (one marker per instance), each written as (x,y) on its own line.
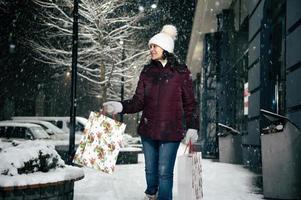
(171,58)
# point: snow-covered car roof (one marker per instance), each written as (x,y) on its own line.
(17,124)
(49,125)
(82,119)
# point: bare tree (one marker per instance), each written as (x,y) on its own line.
(107,41)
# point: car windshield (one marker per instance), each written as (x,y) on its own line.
(39,133)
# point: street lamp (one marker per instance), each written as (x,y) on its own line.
(141,8)
(154,6)
(122,77)
(73,83)
(68,74)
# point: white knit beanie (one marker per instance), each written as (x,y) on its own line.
(166,38)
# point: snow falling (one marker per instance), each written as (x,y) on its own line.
(244,62)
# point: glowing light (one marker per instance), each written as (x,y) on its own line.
(141,8)
(154,6)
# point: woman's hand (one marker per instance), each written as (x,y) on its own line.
(112,107)
(191,134)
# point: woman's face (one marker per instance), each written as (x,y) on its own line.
(156,52)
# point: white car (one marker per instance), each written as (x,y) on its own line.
(48,126)
(61,122)
(18,132)
(56,134)
(22,131)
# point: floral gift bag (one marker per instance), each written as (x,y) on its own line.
(101,143)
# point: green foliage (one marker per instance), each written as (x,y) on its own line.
(43,163)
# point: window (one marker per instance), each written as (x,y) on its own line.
(18,132)
(56,123)
(80,127)
(9,132)
(273,56)
(2,132)
(277,65)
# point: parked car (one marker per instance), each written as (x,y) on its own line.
(54,132)
(61,122)
(22,131)
(18,132)
(50,128)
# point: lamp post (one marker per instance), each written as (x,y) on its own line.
(122,77)
(73,83)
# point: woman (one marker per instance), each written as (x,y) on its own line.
(165,95)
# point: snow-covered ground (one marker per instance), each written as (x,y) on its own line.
(221,181)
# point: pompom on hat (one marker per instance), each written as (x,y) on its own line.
(166,38)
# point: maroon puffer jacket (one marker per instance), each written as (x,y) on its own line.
(166,97)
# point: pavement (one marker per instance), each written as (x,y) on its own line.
(221,181)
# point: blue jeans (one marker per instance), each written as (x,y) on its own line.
(159,165)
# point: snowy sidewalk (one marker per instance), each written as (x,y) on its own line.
(221,181)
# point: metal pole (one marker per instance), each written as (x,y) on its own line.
(122,81)
(73,84)
(122,96)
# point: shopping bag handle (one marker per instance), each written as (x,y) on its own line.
(190,146)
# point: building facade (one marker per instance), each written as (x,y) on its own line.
(249,63)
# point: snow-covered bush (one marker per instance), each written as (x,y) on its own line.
(28,157)
(34,163)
